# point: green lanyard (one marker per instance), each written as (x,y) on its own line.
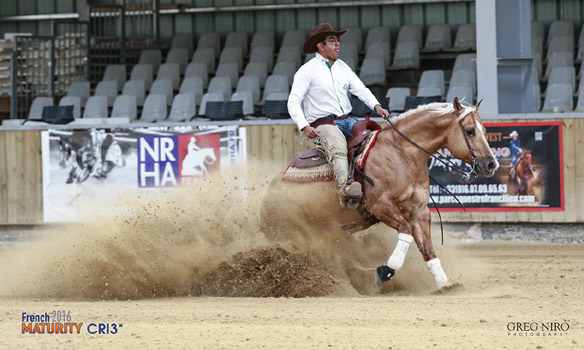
(334,88)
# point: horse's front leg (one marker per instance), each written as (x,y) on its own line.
(423,237)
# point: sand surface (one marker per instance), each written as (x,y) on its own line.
(521,283)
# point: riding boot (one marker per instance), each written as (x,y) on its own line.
(350,194)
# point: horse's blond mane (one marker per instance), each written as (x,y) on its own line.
(437,108)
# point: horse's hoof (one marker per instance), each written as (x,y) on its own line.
(384,274)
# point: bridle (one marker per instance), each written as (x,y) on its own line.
(473,155)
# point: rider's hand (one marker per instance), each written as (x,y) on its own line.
(521,150)
(382,112)
(310,132)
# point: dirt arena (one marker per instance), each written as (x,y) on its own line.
(191,270)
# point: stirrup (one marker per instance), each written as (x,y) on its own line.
(351,195)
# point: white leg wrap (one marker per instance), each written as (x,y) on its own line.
(435,267)
(397,258)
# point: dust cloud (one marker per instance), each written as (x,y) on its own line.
(205,240)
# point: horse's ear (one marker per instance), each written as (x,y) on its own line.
(456,104)
(478,104)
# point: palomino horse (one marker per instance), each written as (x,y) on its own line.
(524,174)
(400,191)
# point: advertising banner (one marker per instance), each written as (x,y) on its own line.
(90,164)
(529,178)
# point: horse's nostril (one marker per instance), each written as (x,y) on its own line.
(491,165)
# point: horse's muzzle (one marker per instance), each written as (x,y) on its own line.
(487,166)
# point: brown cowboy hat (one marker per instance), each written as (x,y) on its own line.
(318,34)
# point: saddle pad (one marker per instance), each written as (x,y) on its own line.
(361,158)
(322,172)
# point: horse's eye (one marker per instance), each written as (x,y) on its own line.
(470,132)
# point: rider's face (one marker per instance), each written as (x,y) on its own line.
(515,138)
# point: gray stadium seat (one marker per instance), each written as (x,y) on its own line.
(353,36)
(537,45)
(439,37)
(183,108)
(537,30)
(108,89)
(125,107)
(221,85)
(466,38)
(432,78)
(96,107)
(210,40)
(373,71)
(152,57)
(117,73)
(377,34)
(198,69)
(232,55)
(407,56)
(262,54)
(143,72)
(410,32)
(209,97)
(229,70)
(286,68)
(171,72)
(379,49)
(536,63)
(559,59)
(290,54)
(563,75)
(237,39)
(162,87)
(137,89)
(429,91)
(80,89)
(206,56)
(462,92)
(74,101)
(351,63)
(180,57)
(397,98)
(193,86)
(276,83)
(350,51)
(293,37)
(560,28)
(183,41)
(561,44)
(276,105)
(257,69)
(308,57)
(249,84)
(263,38)
(246,97)
(465,61)
(154,108)
(536,95)
(558,98)
(464,78)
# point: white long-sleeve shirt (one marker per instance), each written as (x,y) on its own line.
(324,91)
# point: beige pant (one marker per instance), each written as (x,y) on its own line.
(334,143)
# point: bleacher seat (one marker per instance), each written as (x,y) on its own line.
(353,36)
(464,78)
(413,102)
(169,71)
(276,106)
(221,85)
(96,107)
(358,108)
(537,63)
(224,110)
(276,83)
(378,34)
(137,89)
(125,107)
(536,95)
(198,69)
(232,55)
(558,98)
(537,30)
(308,57)
(466,38)
(80,89)
(250,84)
(162,87)
(429,91)
(293,37)
(464,93)
(237,39)
(286,68)
(74,101)
(180,57)
(407,56)
(563,75)
(290,54)
(561,44)
(210,40)
(439,37)
(262,54)
(108,89)
(580,45)
(117,73)
(143,72)
(465,61)
(209,97)
(351,63)
(257,69)
(379,49)
(537,45)
(410,32)
(349,51)
(192,86)
(152,57)
(559,59)
(183,41)
(397,98)
(206,56)
(183,108)
(560,28)
(247,99)
(373,71)
(432,78)
(154,108)
(229,70)
(263,38)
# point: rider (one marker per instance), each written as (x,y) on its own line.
(516,150)
(323,83)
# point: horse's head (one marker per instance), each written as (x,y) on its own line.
(210,156)
(526,157)
(467,140)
